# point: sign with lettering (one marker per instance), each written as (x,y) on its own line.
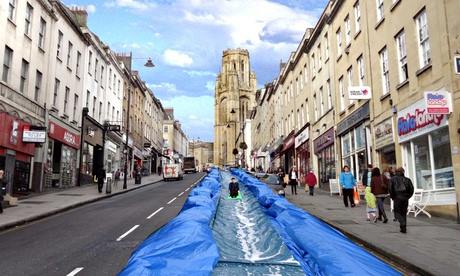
(33,136)
(414,121)
(353,119)
(438,102)
(63,135)
(323,141)
(384,133)
(302,137)
(359,93)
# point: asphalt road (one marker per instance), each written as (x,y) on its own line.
(95,237)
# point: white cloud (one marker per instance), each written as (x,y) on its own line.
(248,26)
(164,87)
(177,58)
(210,85)
(132,4)
(133,45)
(195,73)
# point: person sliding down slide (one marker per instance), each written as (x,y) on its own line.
(233,188)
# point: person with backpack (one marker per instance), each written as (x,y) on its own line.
(401,189)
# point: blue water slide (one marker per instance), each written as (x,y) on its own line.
(185,246)
(319,248)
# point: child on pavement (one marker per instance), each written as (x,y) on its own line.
(371,205)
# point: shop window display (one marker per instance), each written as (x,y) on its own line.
(444,174)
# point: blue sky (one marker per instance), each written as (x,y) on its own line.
(185,39)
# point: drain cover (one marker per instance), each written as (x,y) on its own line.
(334,209)
(345,221)
(69,194)
(32,202)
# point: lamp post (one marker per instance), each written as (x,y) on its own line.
(148,64)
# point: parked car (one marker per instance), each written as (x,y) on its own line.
(270,179)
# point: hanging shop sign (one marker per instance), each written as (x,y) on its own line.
(438,102)
(354,118)
(63,135)
(302,137)
(414,121)
(384,133)
(359,93)
(32,134)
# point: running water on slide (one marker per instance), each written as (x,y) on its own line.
(248,243)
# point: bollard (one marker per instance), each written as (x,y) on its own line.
(108,186)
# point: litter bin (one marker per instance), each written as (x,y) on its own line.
(137,179)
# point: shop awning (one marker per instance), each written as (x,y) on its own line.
(288,142)
(274,149)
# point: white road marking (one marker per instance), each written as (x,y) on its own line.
(172,200)
(75,271)
(154,213)
(127,233)
(180,194)
(187,189)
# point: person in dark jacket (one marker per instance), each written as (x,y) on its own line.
(2,189)
(401,189)
(293,178)
(379,187)
(100,179)
(281,177)
(233,187)
(310,181)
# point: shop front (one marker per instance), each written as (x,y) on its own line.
(426,152)
(288,152)
(147,161)
(302,147)
(61,158)
(384,144)
(113,152)
(354,132)
(323,147)
(138,158)
(93,151)
(16,155)
(275,161)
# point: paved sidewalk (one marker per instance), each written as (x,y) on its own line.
(40,206)
(431,245)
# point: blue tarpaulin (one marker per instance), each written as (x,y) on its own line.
(320,249)
(185,246)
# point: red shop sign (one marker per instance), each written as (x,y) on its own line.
(63,135)
(11,129)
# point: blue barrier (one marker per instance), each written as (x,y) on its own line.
(185,246)
(319,248)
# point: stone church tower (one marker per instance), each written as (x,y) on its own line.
(234,100)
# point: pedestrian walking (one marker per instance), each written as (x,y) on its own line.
(117,178)
(388,173)
(100,179)
(310,181)
(3,185)
(401,190)
(348,183)
(293,177)
(371,206)
(379,187)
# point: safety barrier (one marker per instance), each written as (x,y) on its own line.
(185,246)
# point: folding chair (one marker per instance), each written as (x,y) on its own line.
(418,203)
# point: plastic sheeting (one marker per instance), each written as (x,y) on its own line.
(319,248)
(185,246)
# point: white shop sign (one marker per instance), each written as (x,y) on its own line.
(414,121)
(359,93)
(302,137)
(33,136)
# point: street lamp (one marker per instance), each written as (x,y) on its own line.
(149,64)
